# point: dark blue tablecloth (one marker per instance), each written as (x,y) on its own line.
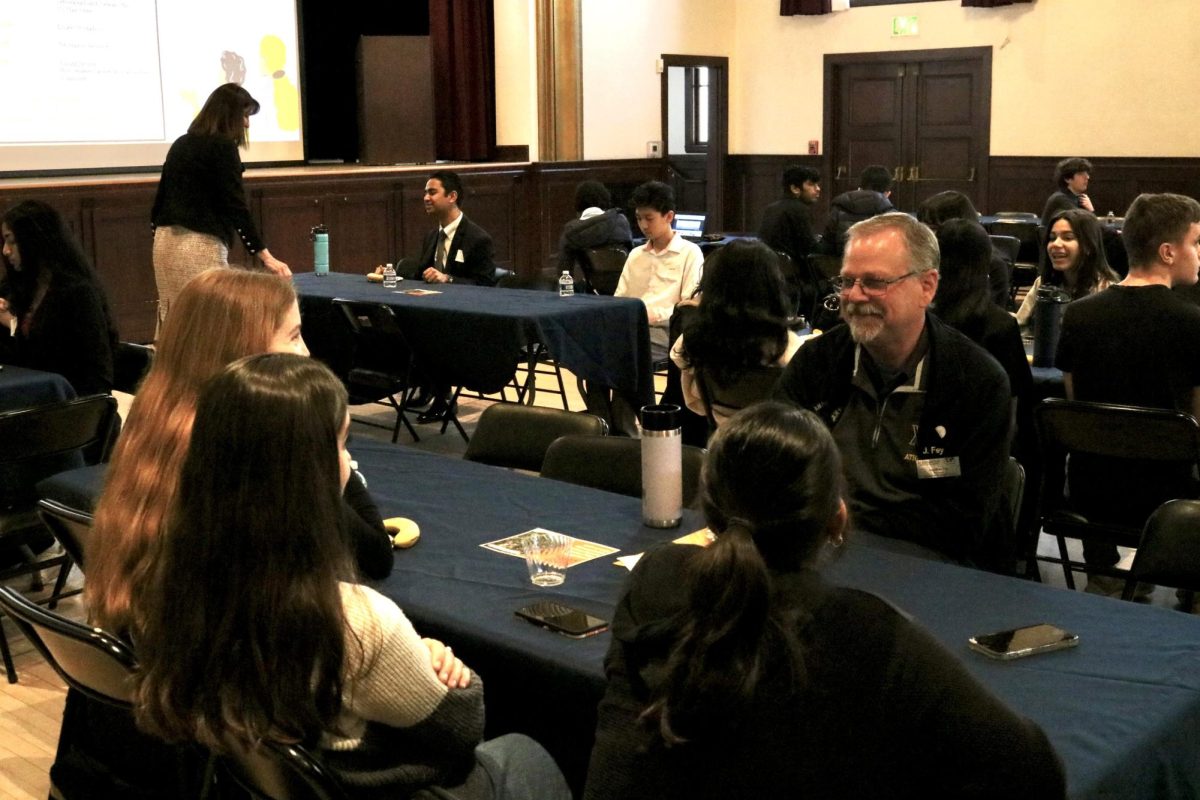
(22,388)
(473,336)
(1123,708)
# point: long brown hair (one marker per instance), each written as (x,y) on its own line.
(220,316)
(224,114)
(242,633)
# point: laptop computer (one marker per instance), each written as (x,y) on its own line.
(689,226)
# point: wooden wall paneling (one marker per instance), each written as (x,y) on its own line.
(753,182)
(492,201)
(121,245)
(1022,183)
(286,220)
(413,224)
(362,229)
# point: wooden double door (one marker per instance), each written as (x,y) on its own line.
(925,115)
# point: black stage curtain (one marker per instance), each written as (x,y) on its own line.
(462,37)
(791,8)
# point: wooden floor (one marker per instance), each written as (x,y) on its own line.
(31,710)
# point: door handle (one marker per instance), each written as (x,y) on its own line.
(898,175)
(971,177)
(841,173)
(914,174)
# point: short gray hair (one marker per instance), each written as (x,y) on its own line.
(922,244)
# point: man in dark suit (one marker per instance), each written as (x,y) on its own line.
(459,251)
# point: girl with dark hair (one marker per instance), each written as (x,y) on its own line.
(962,301)
(741,323)
(736,671)
(54,315)
(201,203)
(942,207)
(1075,260)
(298,654)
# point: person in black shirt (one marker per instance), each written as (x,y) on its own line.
(870,199)
(1073,176)
(598,225)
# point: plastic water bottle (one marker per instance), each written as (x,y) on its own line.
(389,276)
(566,285)
(320,239)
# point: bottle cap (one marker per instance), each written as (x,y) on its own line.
(663,417)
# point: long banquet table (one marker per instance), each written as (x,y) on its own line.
(474,336)
(1122,708)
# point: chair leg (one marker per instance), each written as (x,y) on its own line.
(1066,562)
(452,416)
(9,668)
(60,583)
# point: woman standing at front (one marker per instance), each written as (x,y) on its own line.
(201,203)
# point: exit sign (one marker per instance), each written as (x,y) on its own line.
(905,26)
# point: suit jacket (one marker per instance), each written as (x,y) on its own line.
(469,259)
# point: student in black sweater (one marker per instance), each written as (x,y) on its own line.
(736,671)
(54,315)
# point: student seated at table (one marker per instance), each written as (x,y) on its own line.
(220,316)
(597,225)
(741,323)
(301,654)
(736,671)
(54,315)
(945,206)
(963,301)
(1075,261)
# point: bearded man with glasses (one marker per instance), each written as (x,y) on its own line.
(920,413)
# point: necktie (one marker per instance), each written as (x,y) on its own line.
(441,251)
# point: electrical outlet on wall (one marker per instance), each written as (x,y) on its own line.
(653,149)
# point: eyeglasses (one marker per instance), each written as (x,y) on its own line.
(871,287)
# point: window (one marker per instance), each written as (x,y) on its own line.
(695,109)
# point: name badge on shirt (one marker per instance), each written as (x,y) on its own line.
(938,468)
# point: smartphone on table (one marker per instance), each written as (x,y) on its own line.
(1022,642)
(563,619)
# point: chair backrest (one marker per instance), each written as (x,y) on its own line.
(1169,552)
(131,362)
(44,440)
(1144,436)
(602,267)
(90,660)
(751,386)
(1009,247)
(280,771)
(614,464)
(70,527)
(1026,232)
(516,436)
(379,342)
(505,278)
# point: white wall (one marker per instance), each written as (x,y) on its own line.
(1095,77)
(516,74)
(622,40)
(1101,77)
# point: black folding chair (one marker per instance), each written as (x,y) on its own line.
(614,464)
(40,442)
(131,362)
(1128,438)
(517,436)
(1168,554)
(602,268)
(383,361)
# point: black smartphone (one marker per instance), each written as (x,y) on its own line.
(1021,642)
(563,619)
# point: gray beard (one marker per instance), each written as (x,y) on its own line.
(864,327)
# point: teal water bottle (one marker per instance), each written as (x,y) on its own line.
(320,239)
